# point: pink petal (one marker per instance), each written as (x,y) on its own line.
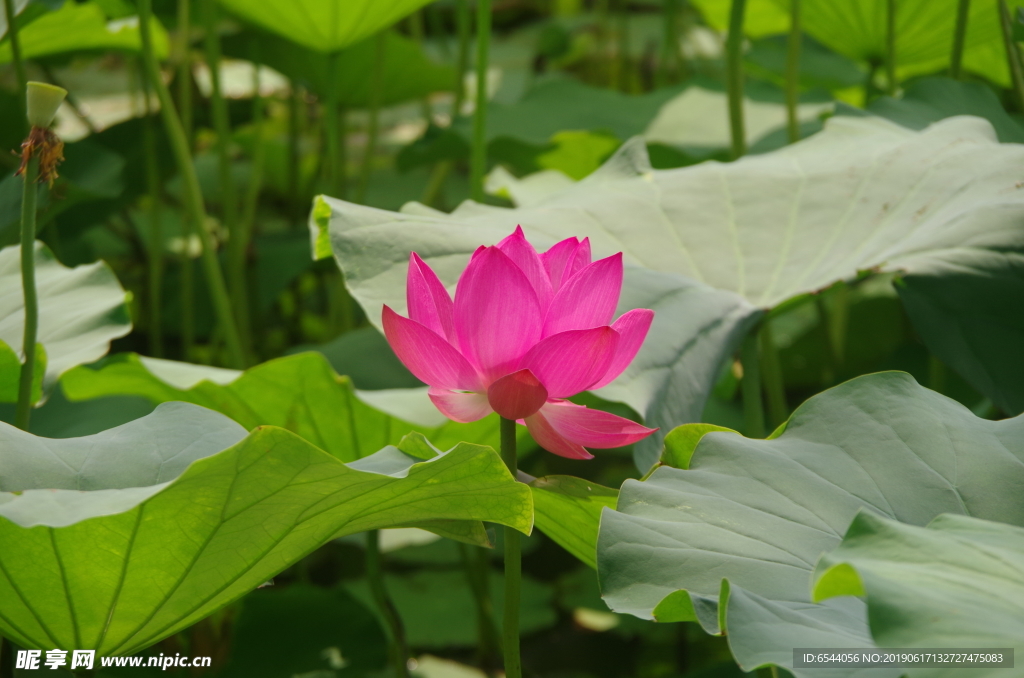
(592,428)
(432,359)
(428,300)
(522,253)
(517,395)
(579,259)
(556,259)
(547,437)
(460,406)
(587,299)
(497,315)
(632,327)
(572,361)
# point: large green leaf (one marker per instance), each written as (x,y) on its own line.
(957,583)
(323,25)
(857,29)
(81,310)
(76,27)
(301,393)
(98,555)
(863,195)
(749,518)
(407,72)
(568,510)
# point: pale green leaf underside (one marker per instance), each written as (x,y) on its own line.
(568,510)
(864,194)
(140,563)
(858,29)
(301,393)
(323,25)
(957,583)
(76,27)
(81,310)
(761,512)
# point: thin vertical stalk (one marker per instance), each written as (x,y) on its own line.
(669,61)
(373,127)
(332,133)
(237,244)
(156,235)
(771,372)
(193,196)
(963,10)
(188,285)
(418,31)
(1012,53)
(250,201)
(625,81)
(23,411)
(375,576)
(513,564)
(793,71)
(477,567)
(890,47)
(478,157)
(294,108)
(753,404)
(734,77)
(463,22)
(19,64)
(605,62)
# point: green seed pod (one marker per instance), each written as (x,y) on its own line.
(43,101)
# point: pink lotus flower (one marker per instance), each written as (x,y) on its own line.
(526,331)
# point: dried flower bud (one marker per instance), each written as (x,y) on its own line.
(43,101)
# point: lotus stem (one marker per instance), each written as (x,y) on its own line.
(963,10)
(793,72)
(734,77)
(670,47)
(193,195)
(463,22)
(294,106)
(513,564)
(187,291)
(1012,53)
(238,243)
(156,236)
(373,129)
(753,404)
(474,561)
(478,158)
(247,221)
(332,131)
(890,48)
(23,411)
(15,39)
(771,372)
(375,576)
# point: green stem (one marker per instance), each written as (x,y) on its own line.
(375,576)
(478,158)
(771,371)
(188,296)
(156,236)
(23,412)
(475,562)
(417,30)
(625,72)
(19,64)
(734,77)
(833,360)
(294,108)
(890,47)
(669,62)
(513,564)
(753,405)
(963,10)
(250,201)
(332,132)
(793,72)
(463,24)
(373,129)
(1012,53)
(193,195)
(238,244)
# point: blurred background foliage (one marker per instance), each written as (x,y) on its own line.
(385,121)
